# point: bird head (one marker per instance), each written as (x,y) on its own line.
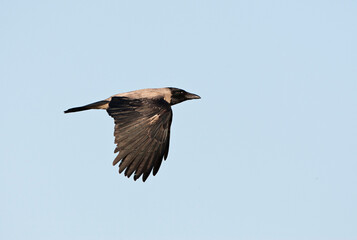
(179,95)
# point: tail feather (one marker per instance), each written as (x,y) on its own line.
(97,105)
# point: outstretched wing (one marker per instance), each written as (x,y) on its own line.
(142,134)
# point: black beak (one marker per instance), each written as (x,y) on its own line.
(189,96)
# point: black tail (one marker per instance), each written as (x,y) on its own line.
(96,105)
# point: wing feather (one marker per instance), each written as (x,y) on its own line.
(142,134)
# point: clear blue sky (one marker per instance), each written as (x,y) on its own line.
(268,153)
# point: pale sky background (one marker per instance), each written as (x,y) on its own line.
(268,153)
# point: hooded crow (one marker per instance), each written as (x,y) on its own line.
(142,127)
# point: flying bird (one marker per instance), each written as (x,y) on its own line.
(142,127)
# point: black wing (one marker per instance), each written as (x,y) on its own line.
(142,134)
